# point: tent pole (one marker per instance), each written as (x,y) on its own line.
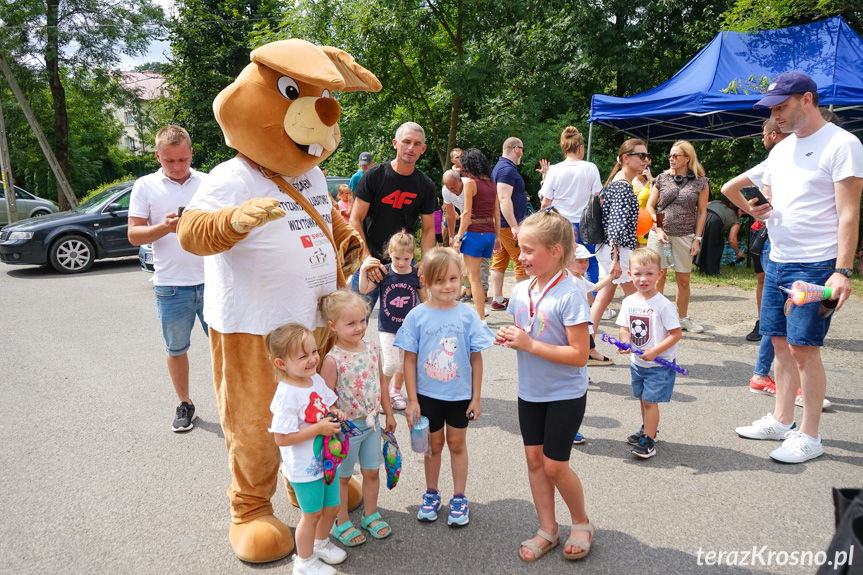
(589,139)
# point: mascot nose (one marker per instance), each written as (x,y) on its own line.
(328,111)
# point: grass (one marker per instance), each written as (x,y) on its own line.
(744,278)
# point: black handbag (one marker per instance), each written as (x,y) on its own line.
(756,241)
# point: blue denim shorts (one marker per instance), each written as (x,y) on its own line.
(177,307)
(652,384)
(366,448)
(803,325)
(477,245)
(312,496)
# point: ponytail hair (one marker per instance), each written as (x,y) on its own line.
(625,148)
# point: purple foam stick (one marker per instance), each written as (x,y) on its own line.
(663,362)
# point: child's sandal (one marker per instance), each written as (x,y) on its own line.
(375,531)
(533,546)
(346,532)
(577,541)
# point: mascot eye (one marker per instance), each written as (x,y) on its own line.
(288,88)
(326,94)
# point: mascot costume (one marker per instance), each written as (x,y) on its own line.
(275,244)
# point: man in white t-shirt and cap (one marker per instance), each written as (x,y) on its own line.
(813,181)
(155,208)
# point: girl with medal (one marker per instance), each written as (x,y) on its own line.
(552,341)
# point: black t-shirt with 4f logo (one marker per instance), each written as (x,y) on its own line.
(395,203)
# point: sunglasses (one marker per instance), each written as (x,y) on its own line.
(641,155)
(675,156)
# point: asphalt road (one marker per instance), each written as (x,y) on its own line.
(96,482)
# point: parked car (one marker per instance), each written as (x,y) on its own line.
(28,206)
(145,257)
(333,183)
(71,241)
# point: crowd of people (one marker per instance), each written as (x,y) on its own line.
(429,358)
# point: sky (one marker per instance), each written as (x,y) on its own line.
(157,50)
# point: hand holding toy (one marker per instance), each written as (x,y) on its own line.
(663,362)
(802,292)
(332,451)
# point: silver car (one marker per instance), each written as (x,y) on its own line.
(29,206)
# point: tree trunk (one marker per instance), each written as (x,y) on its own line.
(453,128)
(58,95)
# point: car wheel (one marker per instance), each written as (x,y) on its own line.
(72,254)
(40,213)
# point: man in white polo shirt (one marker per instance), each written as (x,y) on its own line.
(178,282)
(813,180)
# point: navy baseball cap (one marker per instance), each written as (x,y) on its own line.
(784,86)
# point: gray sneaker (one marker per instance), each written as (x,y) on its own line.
(689,325)
(765,428)
(185,417)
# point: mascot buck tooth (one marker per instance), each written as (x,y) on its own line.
(274,244)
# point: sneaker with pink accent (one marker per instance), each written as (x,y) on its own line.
(798,400)
(767,388)
(397,399)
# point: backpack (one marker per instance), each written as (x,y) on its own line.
(591,230)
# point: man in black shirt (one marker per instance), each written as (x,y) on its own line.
(393,196)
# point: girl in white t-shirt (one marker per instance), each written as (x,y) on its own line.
(551,337)
(300,414)
(352,369)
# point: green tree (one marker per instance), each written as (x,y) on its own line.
(209,47)
(56,37)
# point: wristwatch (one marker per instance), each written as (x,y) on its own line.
(697,238)
(847,272)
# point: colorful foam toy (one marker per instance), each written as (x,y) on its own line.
(658,360)
(392,458)
(331,451)
(802,292)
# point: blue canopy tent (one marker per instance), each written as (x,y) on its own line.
(695,104)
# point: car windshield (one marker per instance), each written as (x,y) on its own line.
(95,203)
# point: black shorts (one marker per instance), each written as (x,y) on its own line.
(438,412)
(756,263)
(552,424)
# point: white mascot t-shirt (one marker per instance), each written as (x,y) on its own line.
(279,271)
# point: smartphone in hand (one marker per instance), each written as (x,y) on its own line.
(750,192)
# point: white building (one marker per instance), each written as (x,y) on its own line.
(145,87)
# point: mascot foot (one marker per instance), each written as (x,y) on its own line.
(355,493)
(261,540)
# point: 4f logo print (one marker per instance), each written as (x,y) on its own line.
(400,302)
(398,198)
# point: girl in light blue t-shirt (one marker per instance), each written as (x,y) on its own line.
(552,340)
(442,340)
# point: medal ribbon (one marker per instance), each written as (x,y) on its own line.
(535,306)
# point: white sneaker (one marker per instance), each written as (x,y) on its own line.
(798,400)
(311,566)
(797,448)
(689,325)
(329,553)
(765,428)
(609,313)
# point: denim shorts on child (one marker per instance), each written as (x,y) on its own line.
(803,325)
(177,307)
(366,448)
(477,245)
(652,384)
(312,496)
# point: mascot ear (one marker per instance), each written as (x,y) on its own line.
(356,77)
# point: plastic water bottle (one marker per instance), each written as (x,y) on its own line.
(669,259)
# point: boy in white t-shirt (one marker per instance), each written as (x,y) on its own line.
(649,322)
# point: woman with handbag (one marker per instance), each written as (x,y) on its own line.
(680,194)
(620,220)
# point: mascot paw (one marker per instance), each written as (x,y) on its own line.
(261,540)
(255,213)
